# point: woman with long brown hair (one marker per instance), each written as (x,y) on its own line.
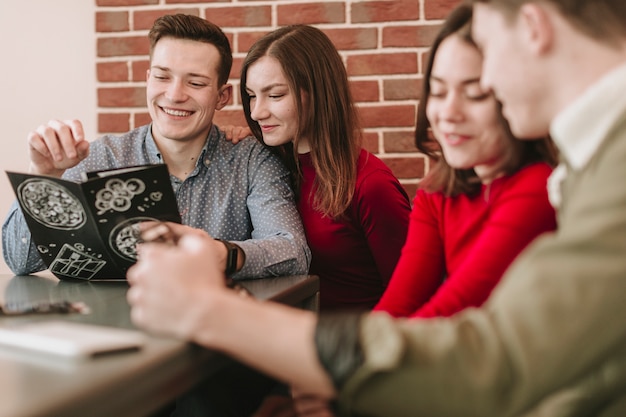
(296,99)
(485,197)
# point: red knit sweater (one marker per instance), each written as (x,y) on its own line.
(355,256)
(458,248)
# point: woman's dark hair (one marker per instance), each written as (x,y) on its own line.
(442,177)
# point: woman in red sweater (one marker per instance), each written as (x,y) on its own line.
(296,99)
(484,200)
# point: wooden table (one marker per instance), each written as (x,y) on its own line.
(123,384)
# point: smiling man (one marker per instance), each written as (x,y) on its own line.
(240,193)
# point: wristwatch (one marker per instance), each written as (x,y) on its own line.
(231,257)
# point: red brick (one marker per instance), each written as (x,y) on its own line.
(141,119)
(246,39)
(231,37)
(439,9)
(249,16)
(310,13)
(124,3)
(385,11)
(411,189)
(402,89)
(423,60)
(363,91)
(406,167)
(235,70)
(409,36)
(426,34)
(112,21)
(113,122)
(235,98)
(132,45)
(399,141)
(139,70)
(195,1)
(388,116)
(400,36)
(112,71)
(143,20)
(229,117)
(122,97)
(370,142)
(375,64)
(353,38)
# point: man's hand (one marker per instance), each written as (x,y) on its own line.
(276,406)
(300,405)
(170,284)
(310,406)
(170,233)
(236,134)
(57,146)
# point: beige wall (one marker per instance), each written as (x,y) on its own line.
(47,71)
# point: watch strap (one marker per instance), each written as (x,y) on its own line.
(231,257)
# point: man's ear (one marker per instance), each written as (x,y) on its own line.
(147,74)
(225,93)
(537,27)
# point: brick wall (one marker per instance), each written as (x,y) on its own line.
(383,43)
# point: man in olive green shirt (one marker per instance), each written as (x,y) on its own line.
(551,340)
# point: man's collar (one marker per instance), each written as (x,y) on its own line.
(154,154)
(580,128)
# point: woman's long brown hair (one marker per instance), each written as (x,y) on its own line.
(442,177)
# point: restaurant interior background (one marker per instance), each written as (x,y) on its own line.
(87,59)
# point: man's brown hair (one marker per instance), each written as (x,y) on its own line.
(601,19)
(185,26)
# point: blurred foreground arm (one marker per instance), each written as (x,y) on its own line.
(179,290)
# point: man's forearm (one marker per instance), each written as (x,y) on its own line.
(279,341)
